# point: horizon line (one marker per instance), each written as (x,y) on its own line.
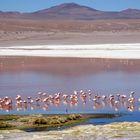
(67,3)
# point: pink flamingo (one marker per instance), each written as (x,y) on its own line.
(18,97)
(45,100)
(104,98)
(37,99)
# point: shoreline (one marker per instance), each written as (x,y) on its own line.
(38,122)
(123,130)
(107,51)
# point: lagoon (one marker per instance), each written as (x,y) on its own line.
(28,75)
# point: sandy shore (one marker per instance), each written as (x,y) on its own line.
(117,51)
(114,131)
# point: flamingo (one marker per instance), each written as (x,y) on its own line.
(104,98)
(131,100)
(115,100)
(40,94)
(8,102)
(45,100)
(44,94)
(25,102)
(37,99)
(73,99)
(30,100)
(130,108)
(6,98)
(123,97)
(132,94)
(57,96)
(75,92)
(19,103)
(51,99)
(1,101)
(18,97)
(65,96)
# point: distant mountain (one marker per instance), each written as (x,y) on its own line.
(67,8)
(73,11)
(131,11)
(66,11)
(10,14)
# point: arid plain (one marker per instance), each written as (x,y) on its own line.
(39,32)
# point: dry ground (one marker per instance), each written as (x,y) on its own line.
(33,32)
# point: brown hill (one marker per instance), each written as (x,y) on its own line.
(67,11)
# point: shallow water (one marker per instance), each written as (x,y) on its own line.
(27,76)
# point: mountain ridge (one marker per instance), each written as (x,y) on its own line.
(73,11)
